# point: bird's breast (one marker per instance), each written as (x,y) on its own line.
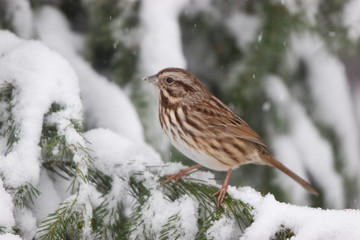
(198,144)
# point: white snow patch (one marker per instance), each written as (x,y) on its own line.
(287,152)
(8,41)
(307,223)
(244,28)
(49,199)
(351,19)
(204,6)
(120,158)
(314,150)
(105,105)
(308,7)
(259,40)
(161,43)
(26,222)
(158,210)
(9,236)
(113,151)
(40,77)
(221,229)
(64,40)
(329,88)
(6,208)
(20,16)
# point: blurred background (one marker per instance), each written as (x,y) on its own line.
(291,69)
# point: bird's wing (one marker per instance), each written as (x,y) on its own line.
(242,131)
(224,123)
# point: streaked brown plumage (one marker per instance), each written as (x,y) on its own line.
(204,129)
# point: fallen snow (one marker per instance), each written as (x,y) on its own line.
(20,15)
(307,223)
(315,151)
(120,158)
(6,208)
(9,236)
(42,206)
(26,222)
(161,46)
(158,210)
(40,77)
(329,88)
(111,150)
(287,152)
(351,19)
(309,8)
(222,229)
(243,27)
(105,105)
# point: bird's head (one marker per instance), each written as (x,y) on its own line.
(176,85)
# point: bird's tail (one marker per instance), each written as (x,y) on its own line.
(273,162)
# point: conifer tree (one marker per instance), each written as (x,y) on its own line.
(277,64)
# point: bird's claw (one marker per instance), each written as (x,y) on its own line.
(179,175)
(221,197)
(176,176)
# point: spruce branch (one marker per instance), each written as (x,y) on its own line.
(10,130)
(71,160)
(208,212)
(23,193)
(12,135)
(61,224)
(232,208)
(108,222)
(6,92)
(284,233)
(69,219)
(8,127)
(170,229)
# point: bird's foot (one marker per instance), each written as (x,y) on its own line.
(221,194)
(179,175)
(222,191)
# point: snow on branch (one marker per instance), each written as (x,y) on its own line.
(39,77)
(40,91)
(304,222)
(100,97)
(106,183)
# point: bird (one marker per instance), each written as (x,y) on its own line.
(207,131)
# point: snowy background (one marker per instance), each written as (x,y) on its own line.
(79,130)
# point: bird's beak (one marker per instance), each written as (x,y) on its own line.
(152,79)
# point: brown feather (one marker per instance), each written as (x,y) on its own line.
(273,162)
(225,121)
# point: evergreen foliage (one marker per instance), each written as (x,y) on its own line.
(112,44)
(108,220)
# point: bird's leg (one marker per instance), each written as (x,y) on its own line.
(179,175)
(223,189)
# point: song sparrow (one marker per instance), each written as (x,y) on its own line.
(205,130)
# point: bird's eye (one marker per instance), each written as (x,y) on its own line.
(169,80)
